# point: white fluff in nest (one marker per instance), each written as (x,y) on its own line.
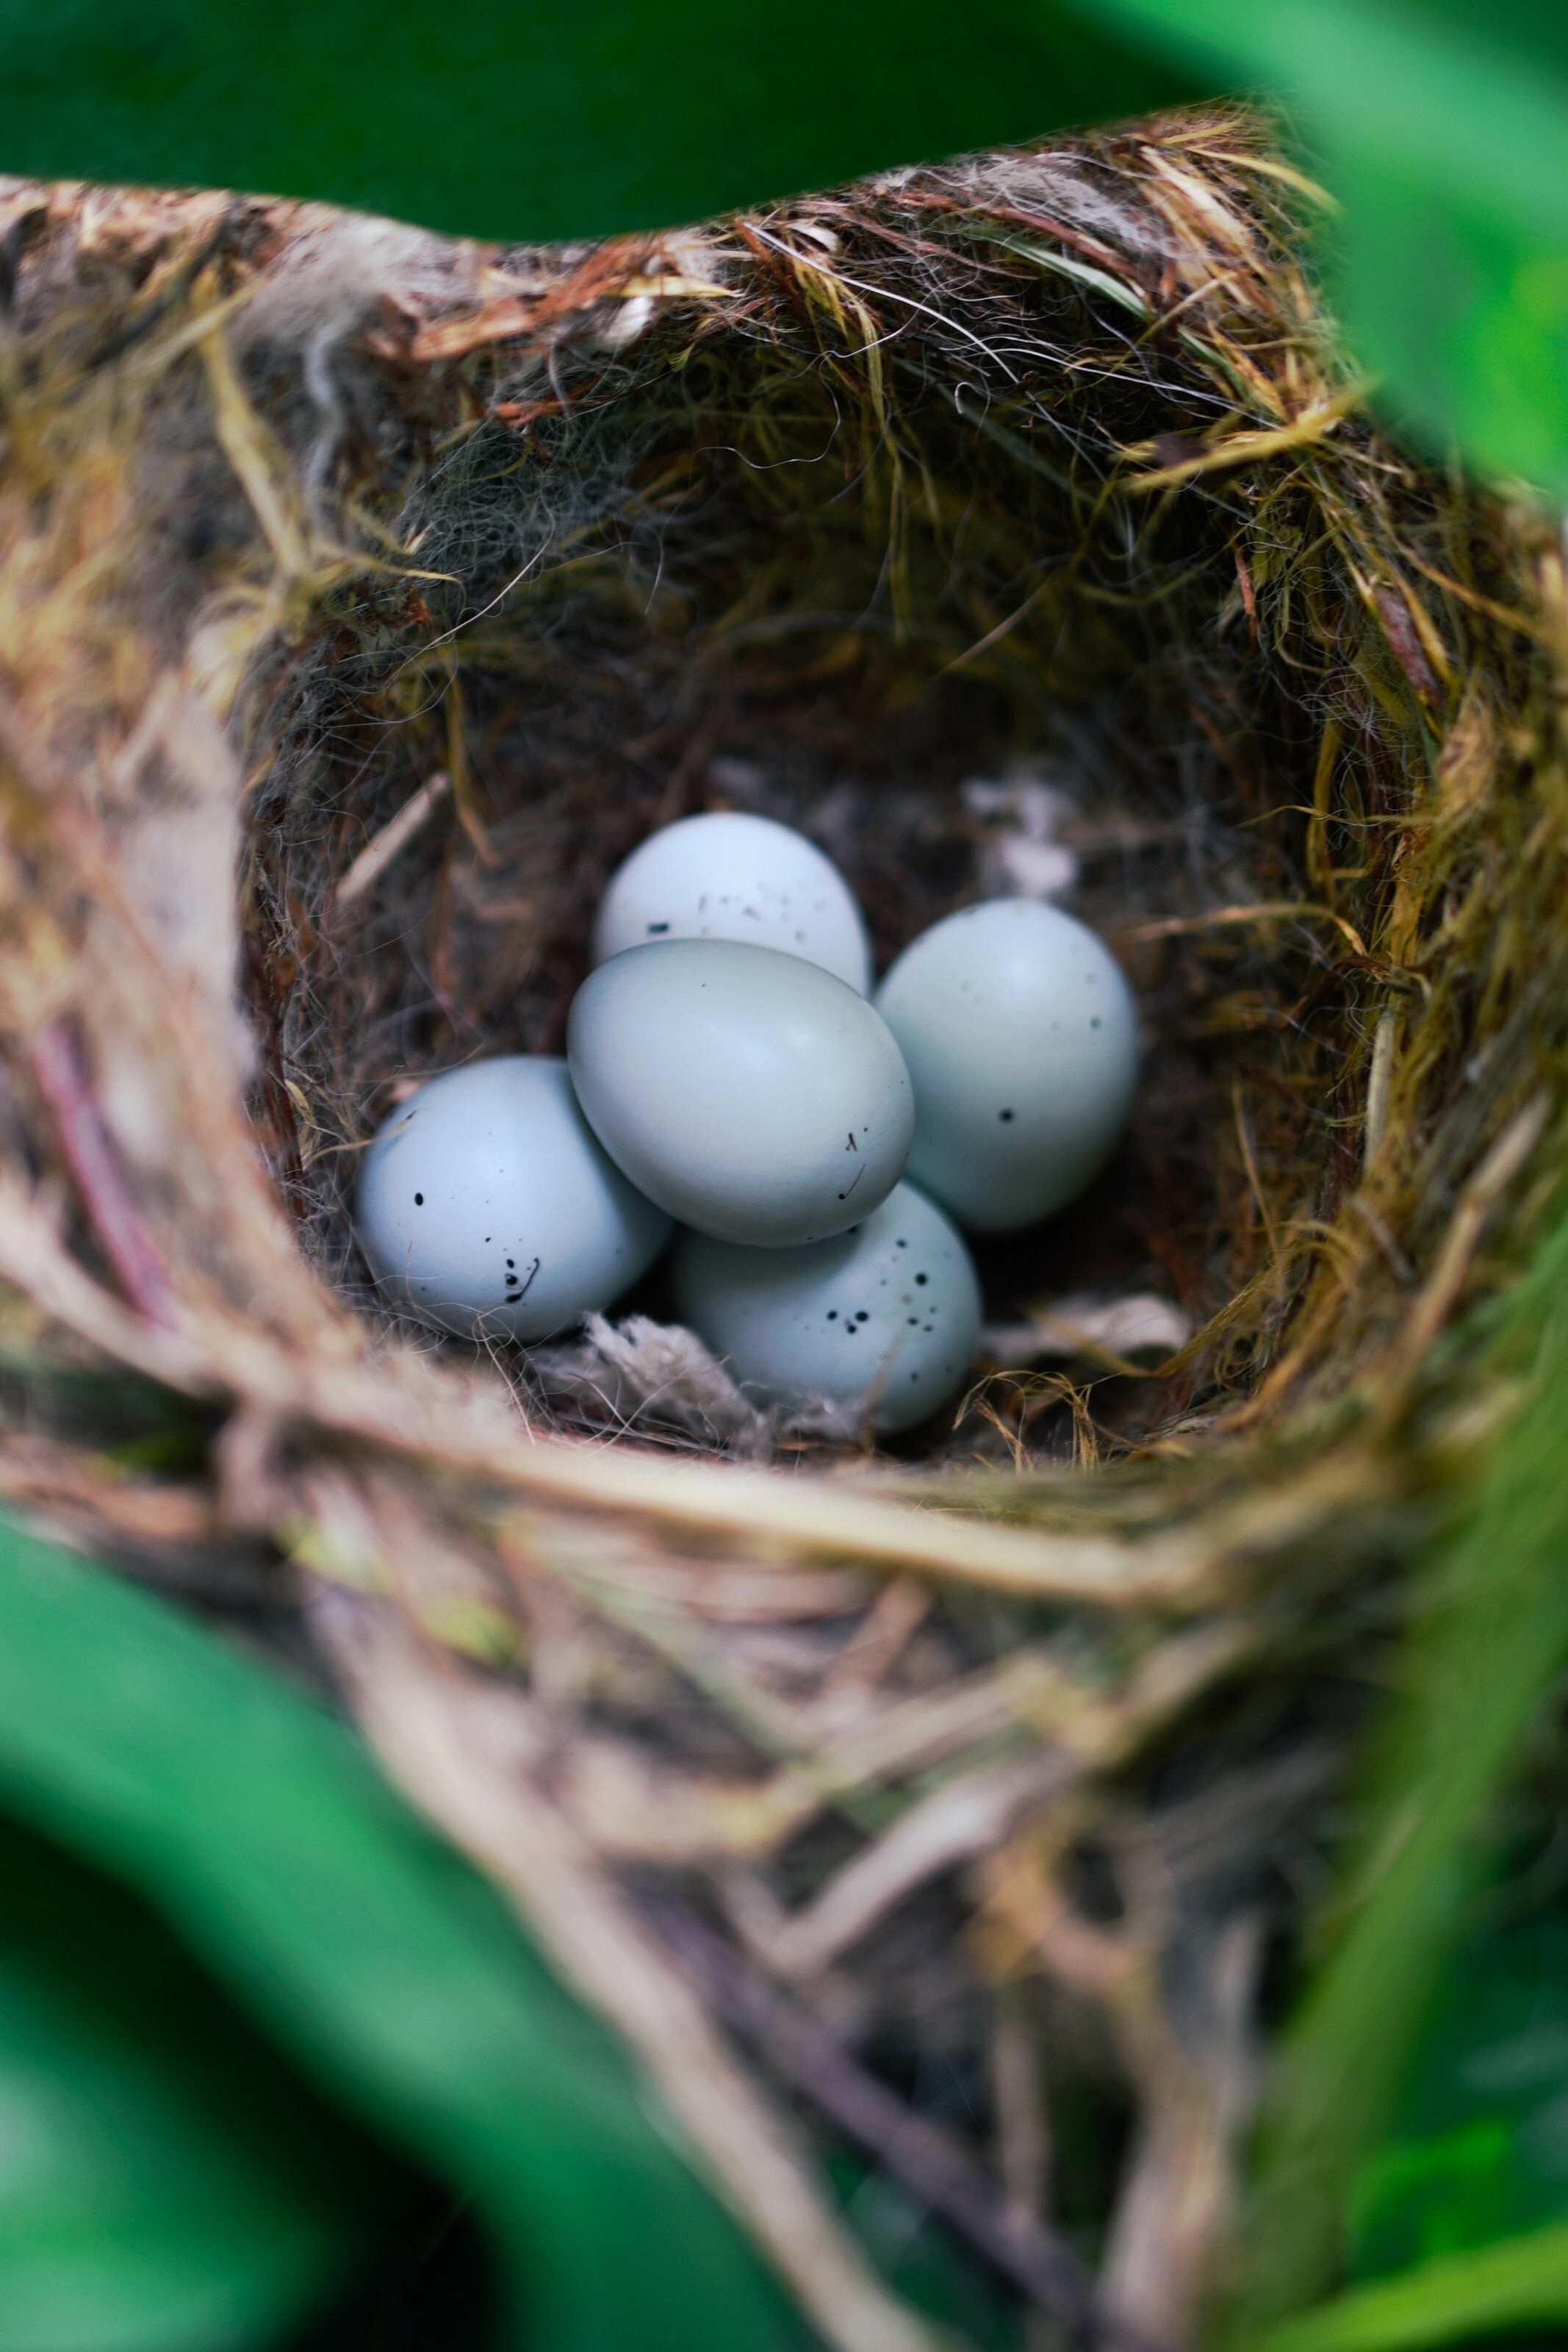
(172,799)
(1079,1324)
(684,259)
(661,1376)
(1023,855)
(332,275)
(336,268)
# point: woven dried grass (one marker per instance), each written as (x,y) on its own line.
(929,1797)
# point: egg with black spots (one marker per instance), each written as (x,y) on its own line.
(729,876)
(887,1313)
(749,1093)
(1021,1038)
(486,1205)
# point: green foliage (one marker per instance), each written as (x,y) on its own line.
(1439,124)
(1478,2148)
(1516,2282)
(366,1950)
(1494,1638)
(166,2184)
(931,2269)
(1442,130)
(516,120)
(1457,2219)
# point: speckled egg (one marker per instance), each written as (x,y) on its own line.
(1021,1038)
(889,1312)
(750,1094)
(486,1205)
(731,877)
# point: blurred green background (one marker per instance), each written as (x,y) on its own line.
(1442,125)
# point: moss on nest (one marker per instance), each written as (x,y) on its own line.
(1038,465)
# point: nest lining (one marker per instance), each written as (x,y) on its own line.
(1038,466)
(756,559)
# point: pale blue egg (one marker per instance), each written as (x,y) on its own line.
(887,1313)
(749,1093)
(1021,1038)
(486,1205)
(728,876)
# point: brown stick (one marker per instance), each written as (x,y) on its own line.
(939,2173)
(459,1752)
(382,848)
(104,1193)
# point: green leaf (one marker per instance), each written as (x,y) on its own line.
(1437,2194)
(1463,311)
(1458,2214)
(165,2184)
(1442,130)
(1478,2148)
(1511,2284)
(1477,1671)
(513,120)
(255,1822)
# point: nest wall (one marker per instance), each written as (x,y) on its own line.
(1041,467)
(750,538)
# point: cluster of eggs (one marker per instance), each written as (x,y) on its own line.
(729,1071)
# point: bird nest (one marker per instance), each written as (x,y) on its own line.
(1010,524)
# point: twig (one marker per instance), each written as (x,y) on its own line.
(1273,910)
(1024,2150)
(1379,1085)
(394,837)
(972,1815)
(454,1748)
(961,1818)
(105,1195)
(942,2175)
(1173,2205)
(1432,1307)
